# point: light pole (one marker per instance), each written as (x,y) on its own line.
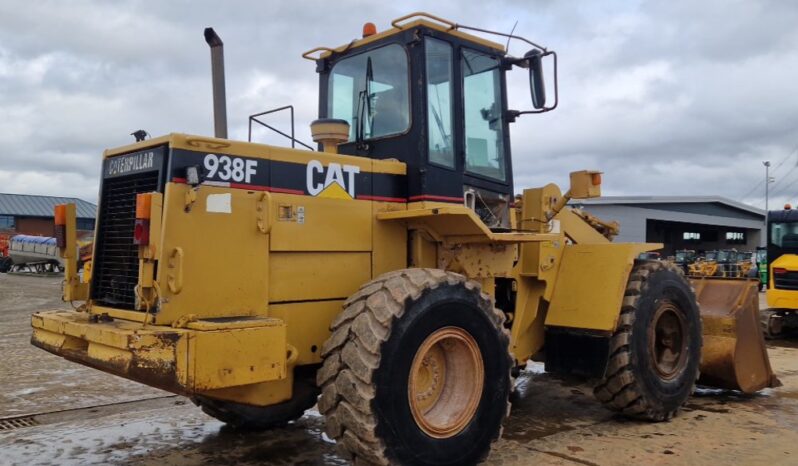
(767,182)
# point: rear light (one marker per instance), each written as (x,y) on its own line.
(779,271)
(141,230)
(60,225)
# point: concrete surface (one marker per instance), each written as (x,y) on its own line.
(87,417)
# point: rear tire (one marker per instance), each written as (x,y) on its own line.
(656,350)
(248,417)
(405,346)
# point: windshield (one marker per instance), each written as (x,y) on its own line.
(724,256)
(370,92)
(784,235)
(681,256)
(711,255)
(484,119)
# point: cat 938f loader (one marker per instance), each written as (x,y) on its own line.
(391,276)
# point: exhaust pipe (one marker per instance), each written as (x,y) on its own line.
(217,71)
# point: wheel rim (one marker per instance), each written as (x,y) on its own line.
(668,345)
(445,382)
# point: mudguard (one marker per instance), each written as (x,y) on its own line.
(590,285)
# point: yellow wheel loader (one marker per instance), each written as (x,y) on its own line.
(392,271)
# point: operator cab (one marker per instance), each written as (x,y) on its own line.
(782,232)
(434,98)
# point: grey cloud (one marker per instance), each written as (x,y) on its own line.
(672,97)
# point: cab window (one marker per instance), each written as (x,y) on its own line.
(784,235)
(370,91)
(484,123)
(438,56)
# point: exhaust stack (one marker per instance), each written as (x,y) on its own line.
(217,72)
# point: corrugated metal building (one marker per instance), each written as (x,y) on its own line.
(701,223)
(33,215)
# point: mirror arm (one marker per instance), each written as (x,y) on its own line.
(502,34)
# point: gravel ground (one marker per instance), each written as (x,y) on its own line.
(95,418)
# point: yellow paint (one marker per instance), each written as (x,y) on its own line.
(186,361)
(310,276)
(305,326)
(329,225)
(590,285)
(234,357)
(74,289)
(258,394)
(389,241)
(278,267)
(527,330)
(782,299)
(335,191)
(456,224)
(212,264)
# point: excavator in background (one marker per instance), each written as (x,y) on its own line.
(391,271)
(782,272)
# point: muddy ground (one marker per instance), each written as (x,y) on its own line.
(81,416)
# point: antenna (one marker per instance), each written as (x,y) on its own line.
(507,47)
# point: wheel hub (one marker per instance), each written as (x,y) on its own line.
(668,345)
(445,382)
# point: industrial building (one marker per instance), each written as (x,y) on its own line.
(701,223)
(33,215)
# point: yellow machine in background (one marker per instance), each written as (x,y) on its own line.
(782,272)
(392,272)
(703,267)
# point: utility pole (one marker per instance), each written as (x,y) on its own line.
(762,239)
(767,182)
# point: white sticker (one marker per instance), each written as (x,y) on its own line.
(555,226)
(300,214)
(219,203)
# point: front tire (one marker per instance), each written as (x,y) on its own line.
(416,371)
(656,350)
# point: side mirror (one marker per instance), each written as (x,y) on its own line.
(537,87)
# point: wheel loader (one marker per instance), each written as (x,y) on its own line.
(391,276)
(684,258)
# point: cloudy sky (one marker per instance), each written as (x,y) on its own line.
(666,97)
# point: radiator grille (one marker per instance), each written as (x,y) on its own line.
(786,281)
(116,262)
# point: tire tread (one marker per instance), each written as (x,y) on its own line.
(353,355)
(619,390)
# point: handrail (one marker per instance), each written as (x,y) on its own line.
(421,14)
(291,136)
(307,55)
